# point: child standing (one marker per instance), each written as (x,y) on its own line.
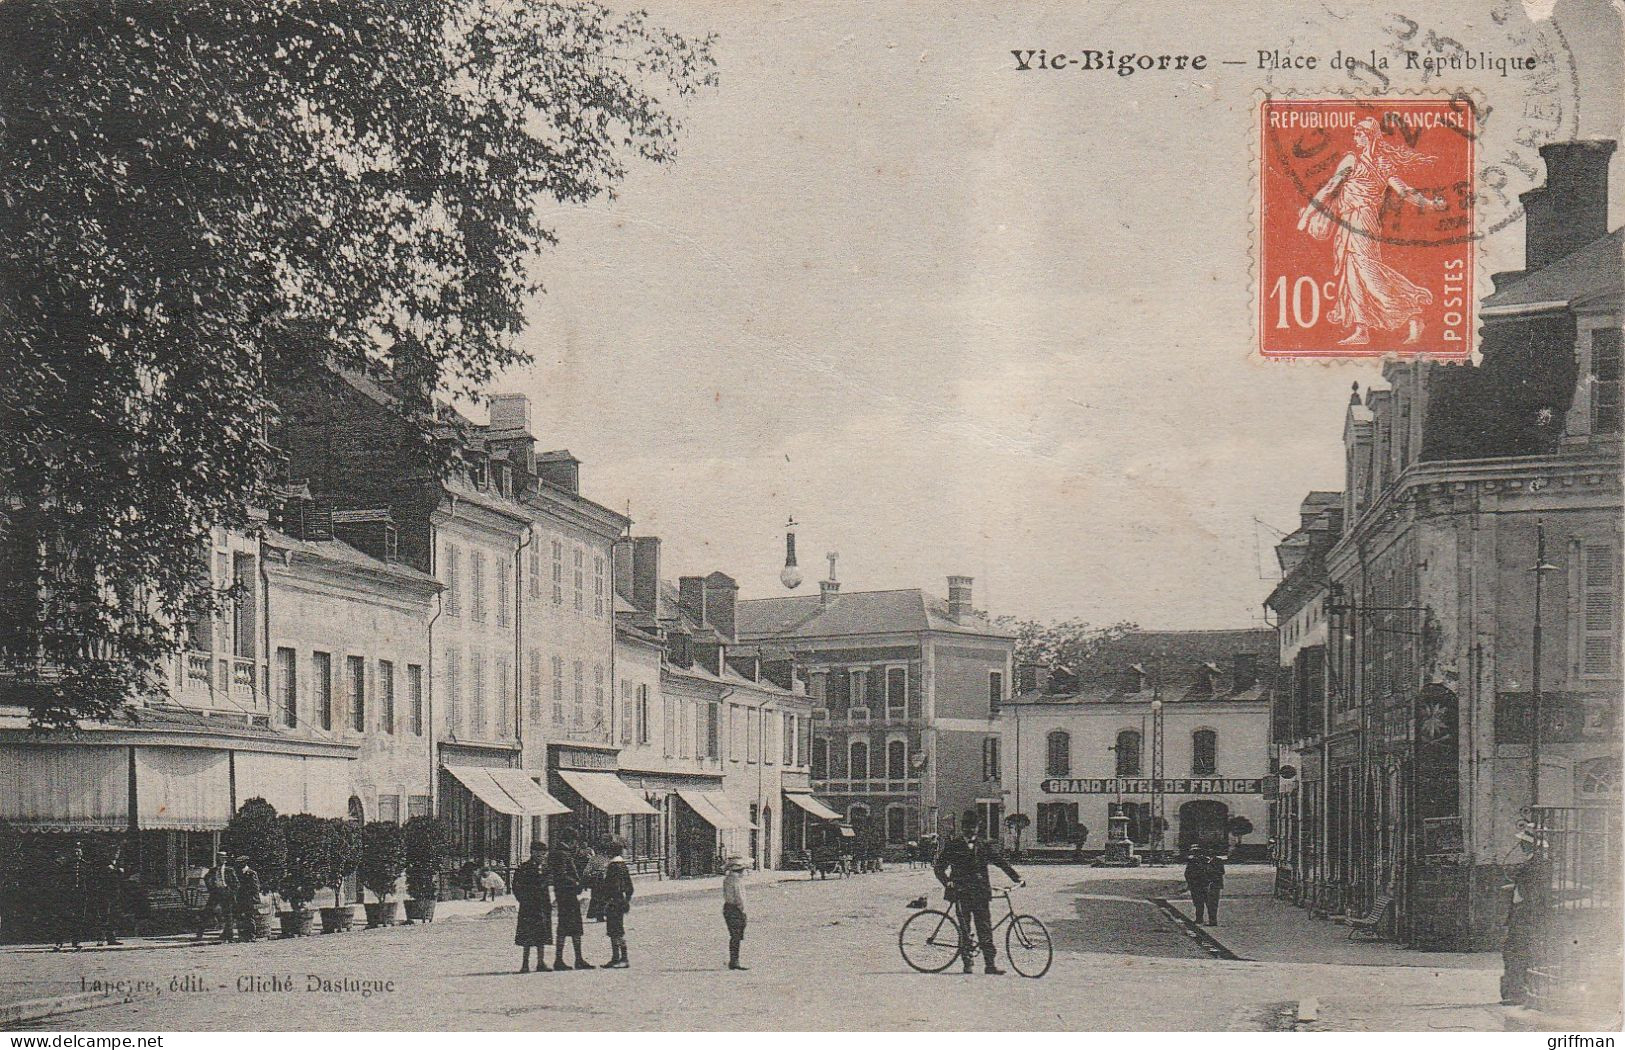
(733,909)
(616,889)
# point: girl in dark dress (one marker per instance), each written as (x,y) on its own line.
(565,875)
(535,927)
(617,895)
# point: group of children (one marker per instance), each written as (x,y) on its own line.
(568,870)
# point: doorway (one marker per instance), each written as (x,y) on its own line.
(1203,820)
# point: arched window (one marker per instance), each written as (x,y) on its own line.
(1058,754)
(1128,753)
(857,815)
(896,760)
(860,760)
(896,824)
(820,758)
(1204,753)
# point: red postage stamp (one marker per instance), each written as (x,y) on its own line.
(1366,231)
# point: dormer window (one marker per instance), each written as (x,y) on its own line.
(479,472)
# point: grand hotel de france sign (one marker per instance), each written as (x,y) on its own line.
(1150,786)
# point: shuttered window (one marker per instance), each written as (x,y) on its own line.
(1600,612)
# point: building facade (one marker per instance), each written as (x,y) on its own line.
(904,689)
(1170,727)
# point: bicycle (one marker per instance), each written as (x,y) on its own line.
(929,940)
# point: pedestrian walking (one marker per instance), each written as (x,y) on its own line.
(1213,883)
(220,890)
(1531,888)
(962,870)
(535,926)
(106,896)
(616,890)
(733,908)
(564,873)
(1196,873)
(68,897)
(248,900)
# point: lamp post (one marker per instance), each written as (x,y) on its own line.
(1540,569)
(1157,799)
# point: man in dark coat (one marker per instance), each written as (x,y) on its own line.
(535,926)
(72,886)
(615,888)
(248,899)
(1213,882)
(962,870)
(1196,874)
(107,894)
(565,876)
(220,887)
(1531,888)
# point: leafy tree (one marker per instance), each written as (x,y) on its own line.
(424,841)
(199,193)
(255,832)
(382,858)
(306,838)
(1240,828)
(1062,647)
(341,853)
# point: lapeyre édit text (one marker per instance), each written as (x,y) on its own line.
(1124,64)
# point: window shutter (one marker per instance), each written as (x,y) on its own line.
(1600,613)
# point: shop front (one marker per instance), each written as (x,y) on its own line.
(483,805)
(804,814)
(606,808)
(708,828)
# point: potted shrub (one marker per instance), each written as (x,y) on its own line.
(305,837)
(1239,828)
(341,851)
(381,864)
(423,845)
(255,832)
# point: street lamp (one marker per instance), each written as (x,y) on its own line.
(1157,800)
(1540,569)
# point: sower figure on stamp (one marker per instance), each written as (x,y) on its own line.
(535,925)
(962,870)
(1370,293)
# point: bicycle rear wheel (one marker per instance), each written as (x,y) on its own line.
(1027,946)
(929,941)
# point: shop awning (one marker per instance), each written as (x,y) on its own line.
(605,793)
(812,805)
(701,803)
(847,831)
(182,788)
(508,791)
(733,810)
(314,784)
(64,788)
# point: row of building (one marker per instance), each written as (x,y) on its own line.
(1466,577)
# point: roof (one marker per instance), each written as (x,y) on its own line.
(1592,273)
(339,552)
(856,613)
(1178,666)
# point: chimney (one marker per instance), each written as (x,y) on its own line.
(560,470)
(1571,210)
(721,595)
(642,578)
(510,412)
(691,598)
(621,564)
(828,589)
(1246,671)
(1032,678)
(959,604)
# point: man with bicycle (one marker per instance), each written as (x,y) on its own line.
(962,869)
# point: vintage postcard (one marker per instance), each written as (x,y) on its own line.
(847,516)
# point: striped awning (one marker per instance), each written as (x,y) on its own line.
(65,787)
(805,800)
(715,809)
(509,791)
(605,793)
(182,788)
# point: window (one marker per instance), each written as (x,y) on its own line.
(454,691)
(859,753)
(685,728)
(502,592)
(643,714)
(820,758)
(599,714)
(558,690)
(995,691)
(1057,823)
(414,698)
(534,685)
(1605,385)
(992,816)
(598,587)
(535,570)
(419,805)
(736,732)
(1128,753)
(802,739)
(389,808)
(386,697)
(1599,618)
(860,683)
(356,686)
(896,692)
(580,576)
(626,712)
(857,815)
(713,730)
(788,733)
(558,573)
(1204,753)
(897,760)
(1598,778)
(990,758)
(817,683)
(287,687)
(668,726)
(454,590)
(578,694)
(896,824)
(476,693)
(504,698)
(476,582)
(1058,754)
(837,760)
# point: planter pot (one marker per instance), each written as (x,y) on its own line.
(337,920)
(298,923)
(264,921)
(420,911)
(382,914)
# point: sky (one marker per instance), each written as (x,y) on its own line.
(961,320)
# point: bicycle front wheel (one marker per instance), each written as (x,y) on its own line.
(1027,946)
(929,941)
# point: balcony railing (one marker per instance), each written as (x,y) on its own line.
(867,786)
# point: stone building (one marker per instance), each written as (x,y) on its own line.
(904,690)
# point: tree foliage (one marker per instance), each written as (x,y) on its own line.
(198,192)
(425,843)
(305,873)
(382,857)
(255,832)
(1063,646)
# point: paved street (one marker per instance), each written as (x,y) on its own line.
(822,955)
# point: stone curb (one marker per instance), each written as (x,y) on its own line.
(13,1014)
